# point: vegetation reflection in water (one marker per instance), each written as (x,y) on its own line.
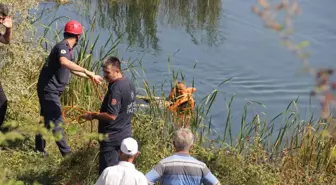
(140,20)
(307,156)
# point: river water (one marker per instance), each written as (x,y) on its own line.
(225,38)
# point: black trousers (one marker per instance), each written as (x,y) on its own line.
(108,155)
(3,109)
(50,105)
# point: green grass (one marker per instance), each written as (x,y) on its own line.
(279,150)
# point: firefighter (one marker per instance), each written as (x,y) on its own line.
(52,81)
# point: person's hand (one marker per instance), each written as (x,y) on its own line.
(8,22)
(87,116)
(97,79)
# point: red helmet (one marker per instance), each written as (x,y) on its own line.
(73,27)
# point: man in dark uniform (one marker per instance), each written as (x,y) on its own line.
(5,38)
(52,81)
(115,114)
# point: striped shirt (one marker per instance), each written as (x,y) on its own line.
(181,169)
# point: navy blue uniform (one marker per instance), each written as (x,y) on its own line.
(51,83)
(119,102)
(3,109)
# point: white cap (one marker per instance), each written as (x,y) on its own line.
(129,146)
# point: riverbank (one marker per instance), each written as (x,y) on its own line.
(251,157)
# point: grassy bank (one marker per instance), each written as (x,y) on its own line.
(300,152)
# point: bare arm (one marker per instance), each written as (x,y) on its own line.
(103,116)
(113,107)
(79,71)
(71,66)
(80,74)
(7,36)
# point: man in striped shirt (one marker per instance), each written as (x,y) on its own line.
(181,168)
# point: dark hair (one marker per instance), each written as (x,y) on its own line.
(69,35)
(4,9)
(112,60)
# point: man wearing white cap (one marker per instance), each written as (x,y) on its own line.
(124,173)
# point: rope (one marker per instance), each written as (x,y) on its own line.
(68,109)
(172,106)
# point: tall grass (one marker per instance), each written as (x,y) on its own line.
(281,150)
(286,131)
